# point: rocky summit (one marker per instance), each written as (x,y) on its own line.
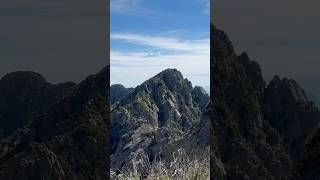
(154,118)
(24,94)
(117,91)
(259,130)
(67,137)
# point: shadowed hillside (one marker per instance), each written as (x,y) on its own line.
(259,130)
(67,137)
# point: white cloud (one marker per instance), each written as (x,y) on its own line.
(132,69)
(191,57)
(199,46)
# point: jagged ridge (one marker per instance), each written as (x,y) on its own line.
(68,141)
(259,131)
(24,94)
(161,110)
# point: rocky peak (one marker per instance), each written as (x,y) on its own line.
(173,79)
(253,71)
(117,91)
(201,97)
(22,82)
(23,94)
(26,76)
(170,73)
(220,41)
(291,113)
(238,89)
(117,87)
(159,111)
(288,89)
(200,90)
(69,140)
(258,131)
(167,86)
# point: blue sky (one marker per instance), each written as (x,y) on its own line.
(148,36)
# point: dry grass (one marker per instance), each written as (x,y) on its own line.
(182,167)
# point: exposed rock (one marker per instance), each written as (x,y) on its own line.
(153,118)
(201,97)
(118,91)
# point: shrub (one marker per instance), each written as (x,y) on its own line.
(182,166)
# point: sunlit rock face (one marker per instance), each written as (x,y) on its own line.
(152,117)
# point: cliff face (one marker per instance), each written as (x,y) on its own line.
(259,131)
(159,112)
(67,141)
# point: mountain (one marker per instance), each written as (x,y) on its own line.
(68,140)
(259,130)
(153,118)
(62,131)
(118,91)
(291,113)
(23,94)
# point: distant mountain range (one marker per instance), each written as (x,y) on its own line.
(259,131)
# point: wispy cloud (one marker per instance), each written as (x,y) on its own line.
(198,46)
(132,69)
(191,57)
(151,47)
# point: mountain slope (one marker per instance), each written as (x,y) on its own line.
(259,131)
(23,94)
(291,113)
(68,141)
(160,111)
